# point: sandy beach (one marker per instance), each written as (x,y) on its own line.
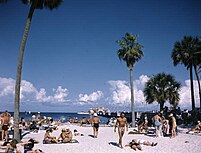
(107,142)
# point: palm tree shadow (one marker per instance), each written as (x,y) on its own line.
(24,134)
(114,144)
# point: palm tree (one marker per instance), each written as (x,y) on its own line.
(197,64)
(131,52)
(34,4)
(161,88)
(183,53)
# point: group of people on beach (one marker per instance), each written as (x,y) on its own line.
(122,126)
(66,136)
(163,126)
(14,145)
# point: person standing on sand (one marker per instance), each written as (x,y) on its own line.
(174,125)
(5,125)
(121,123)
(96,122)
(157,123)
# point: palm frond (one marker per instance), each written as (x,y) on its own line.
(162,87)
(130,50)
(40,4)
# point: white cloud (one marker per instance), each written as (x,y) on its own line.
(60,95)
(139,84)
(185,94)
(120,93)
(87,99)
(30,93)
(6,86)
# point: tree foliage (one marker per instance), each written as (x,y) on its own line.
(161,88)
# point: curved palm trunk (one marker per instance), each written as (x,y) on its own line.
(18,75)
(192,88)
(198,80)
(132,98)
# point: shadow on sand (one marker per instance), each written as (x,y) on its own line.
(91,135)
(114,144)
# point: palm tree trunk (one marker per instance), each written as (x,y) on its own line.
(192,88)
(132,98)
(19,72)
(161,106)
(198,80)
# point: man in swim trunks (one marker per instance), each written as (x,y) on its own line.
(5,125)
(96,122)
(121,123)
(157,123)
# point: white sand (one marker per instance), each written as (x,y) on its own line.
(105,143)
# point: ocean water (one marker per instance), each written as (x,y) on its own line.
(56,116)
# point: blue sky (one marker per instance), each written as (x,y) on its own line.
(70,61)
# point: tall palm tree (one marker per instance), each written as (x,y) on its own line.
(183,53)
(161,88)
(34,4)
(131,52)
(197,64)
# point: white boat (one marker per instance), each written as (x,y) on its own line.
(82,113)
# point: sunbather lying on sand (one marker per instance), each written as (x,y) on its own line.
(12,147)
(197,128)
(136,144)
(29,145)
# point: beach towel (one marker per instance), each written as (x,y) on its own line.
(48,142)
(193,133)
(136,132)
(73,141)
